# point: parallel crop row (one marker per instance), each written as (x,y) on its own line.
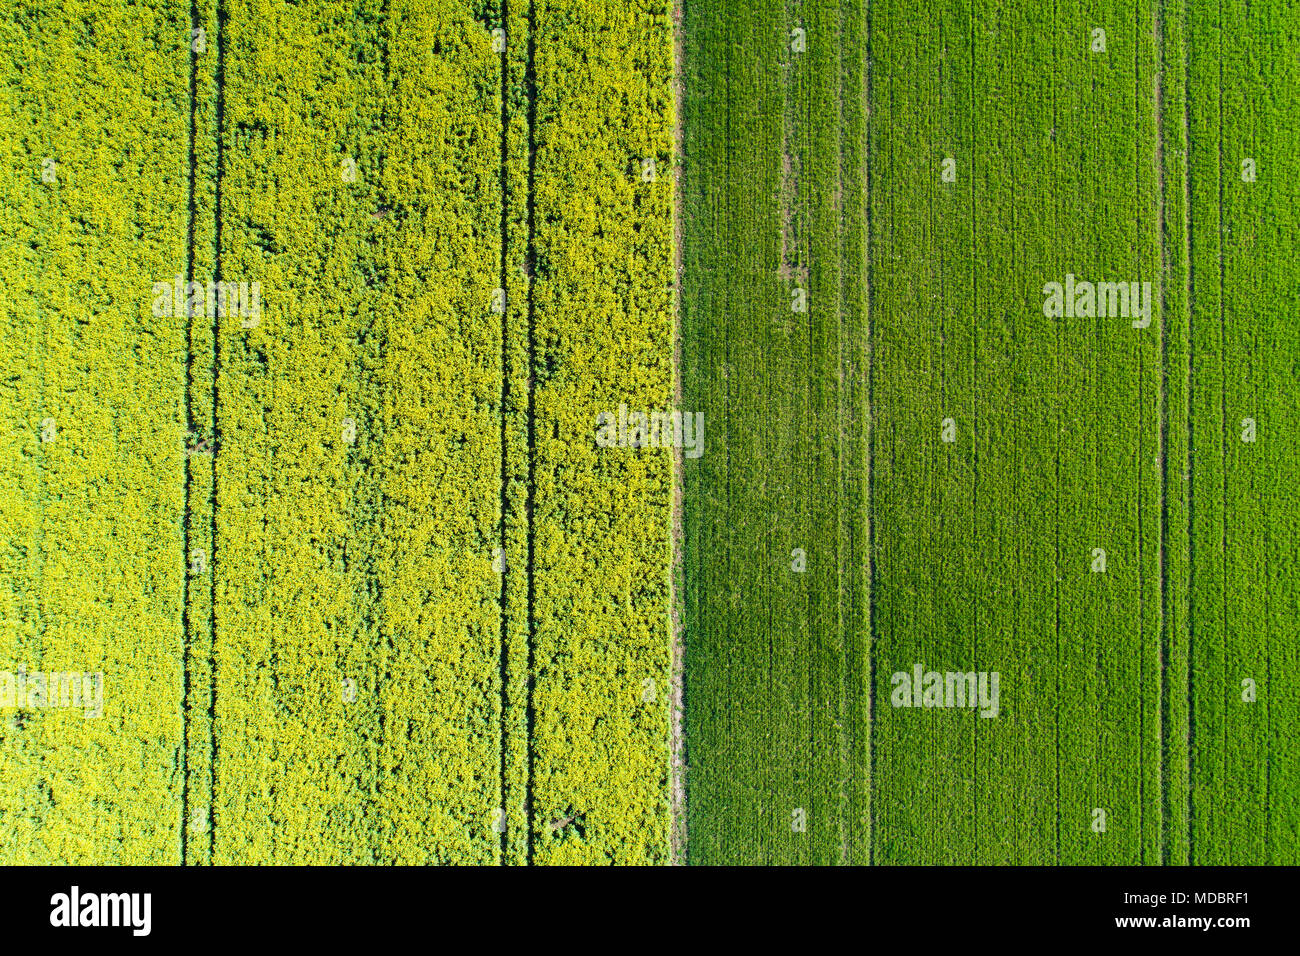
(774,333)
(737,805)
(92,213)
(599,310)
(356,636)
(1243,710)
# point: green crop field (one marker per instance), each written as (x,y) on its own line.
(775,333)
(726,432)
(1090,503)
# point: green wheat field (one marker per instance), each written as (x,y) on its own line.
(585,432)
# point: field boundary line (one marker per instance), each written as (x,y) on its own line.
(186,459)
(871,444)
(503,658)
(1191,458)
(678,832)
(840,550)
(1163,429)
(1056,589)
(219,223)
(1141,565)
(1223,384)
(975,382)
(862,439)
(530,92)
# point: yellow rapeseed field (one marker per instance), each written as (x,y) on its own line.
(309,314)
(91,400)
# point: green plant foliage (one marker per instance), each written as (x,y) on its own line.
(1243,758)
(1006,147)
(774,345)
